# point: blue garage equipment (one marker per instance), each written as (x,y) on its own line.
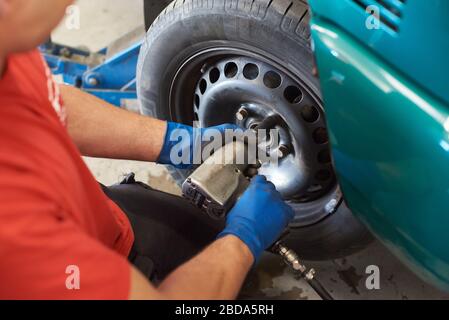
(109,77)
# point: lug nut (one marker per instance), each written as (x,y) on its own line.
(283,151)
(242,114)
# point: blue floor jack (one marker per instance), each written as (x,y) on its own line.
(111,77)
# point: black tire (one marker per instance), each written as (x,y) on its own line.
(276,28)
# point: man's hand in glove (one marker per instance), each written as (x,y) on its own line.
(259,217)
(180,141)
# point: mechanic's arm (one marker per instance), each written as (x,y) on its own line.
(100,129)
(219,271)
(216,273)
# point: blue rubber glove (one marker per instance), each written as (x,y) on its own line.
(259,217)
(180,139)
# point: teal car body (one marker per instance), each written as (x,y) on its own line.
(384,80)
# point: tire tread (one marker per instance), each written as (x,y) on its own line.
(286,12)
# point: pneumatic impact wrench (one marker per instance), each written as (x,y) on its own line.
(216,185)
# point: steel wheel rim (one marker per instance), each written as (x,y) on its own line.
(311,206)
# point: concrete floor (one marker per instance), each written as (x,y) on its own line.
(102,21)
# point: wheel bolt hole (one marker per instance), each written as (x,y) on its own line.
(231,70)
(272,80)
(203,86)
(320,136)
(310,114)
(324,157)
(214,75)
(251,71)
(323,175)
(292,94)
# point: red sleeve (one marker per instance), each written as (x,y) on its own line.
(37,245)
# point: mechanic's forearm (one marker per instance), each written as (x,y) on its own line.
(102,130)
(216,273)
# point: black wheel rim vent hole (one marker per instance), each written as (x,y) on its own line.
(310,114)
(320,136)
(324,157)
(203,86)
(214,75)
(231,70)
(272,80)
(293,94)
(251,71)
(323,175)
(197,101)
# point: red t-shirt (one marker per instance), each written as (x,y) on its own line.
(60,236)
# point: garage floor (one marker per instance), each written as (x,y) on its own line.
(103,21)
